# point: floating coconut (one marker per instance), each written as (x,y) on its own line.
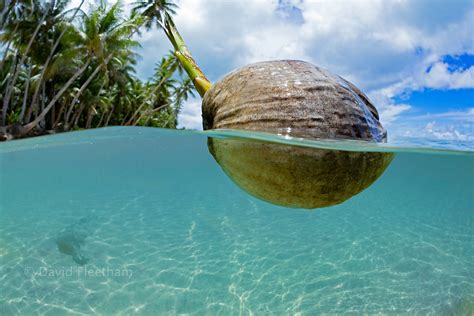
(293,98)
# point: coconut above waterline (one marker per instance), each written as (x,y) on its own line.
(291,97)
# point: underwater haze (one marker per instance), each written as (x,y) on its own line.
(145,221)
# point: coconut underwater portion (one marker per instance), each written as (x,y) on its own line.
(298,177)
(298,99)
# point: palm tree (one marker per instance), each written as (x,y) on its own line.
(104,36)
(153,11)
(43,12)
(11,14)
(158,12)
(166,93)
(161,82)
(64,27)
(76,70)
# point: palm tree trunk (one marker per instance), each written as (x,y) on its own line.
(129,122)
(161,107)
(53,115)
(7,7)
(132,118)
(124,119)
(90,115)
(43,101)
(81,90)
(5,54)
(25,96)
(84,86)
(101,119)
(6,101)
(51,54)
(28,127)
(78,114)
(31,108)
(58,116)
(109,116)
(12,69)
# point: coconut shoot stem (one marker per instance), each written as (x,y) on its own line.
(200,81)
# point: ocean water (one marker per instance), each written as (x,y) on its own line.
(145,221)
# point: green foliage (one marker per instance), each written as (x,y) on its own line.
(68,69)
(153,11)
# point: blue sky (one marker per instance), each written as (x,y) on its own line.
(413,58)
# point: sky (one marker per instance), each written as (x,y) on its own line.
(413,58)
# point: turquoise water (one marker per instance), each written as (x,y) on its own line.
(144,221)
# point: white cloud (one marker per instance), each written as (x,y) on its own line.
(467,115)
(388,110)
(384,47)
(190,116)
(455,126)
(439,77)
(389,113)
(445,133)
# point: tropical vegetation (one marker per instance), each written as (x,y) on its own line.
(64,69)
